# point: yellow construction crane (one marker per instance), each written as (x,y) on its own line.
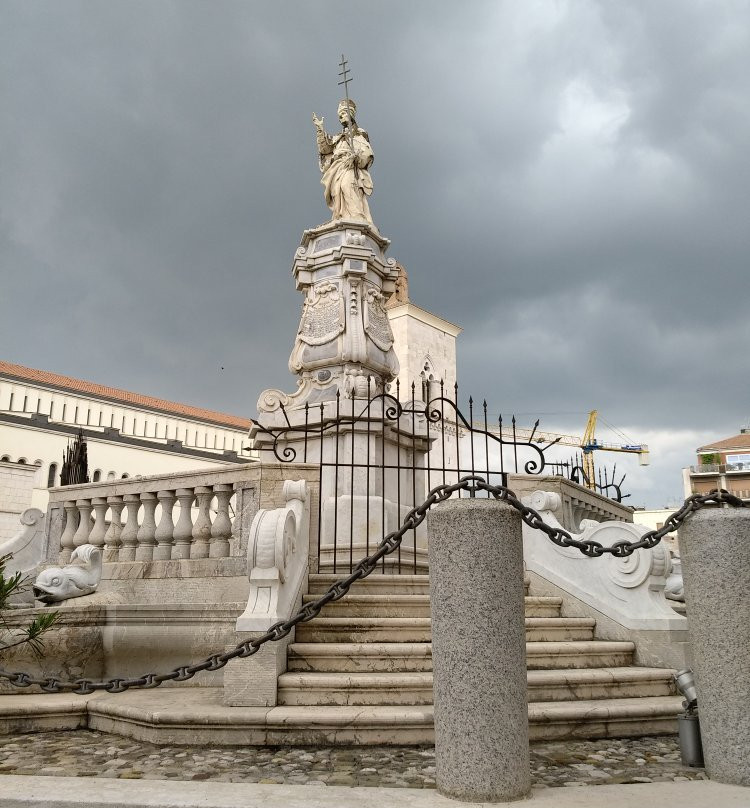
(588,443)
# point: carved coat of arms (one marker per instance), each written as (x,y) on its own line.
(323,315)
(377,325)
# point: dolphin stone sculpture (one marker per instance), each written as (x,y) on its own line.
(72,581)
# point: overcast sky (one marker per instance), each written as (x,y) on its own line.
(568,181)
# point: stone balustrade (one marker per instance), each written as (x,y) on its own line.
(159,518)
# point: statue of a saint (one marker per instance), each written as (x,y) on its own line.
(344,160)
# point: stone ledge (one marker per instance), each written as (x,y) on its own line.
(180,715)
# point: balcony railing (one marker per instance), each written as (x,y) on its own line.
(720,468)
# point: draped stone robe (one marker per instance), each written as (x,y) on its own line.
(346,190)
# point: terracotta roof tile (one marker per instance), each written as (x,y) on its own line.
(741,441)
(114,394)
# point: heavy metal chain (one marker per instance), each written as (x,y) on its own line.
(365,567)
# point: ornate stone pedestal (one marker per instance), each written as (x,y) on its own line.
(342,416)
(344,335)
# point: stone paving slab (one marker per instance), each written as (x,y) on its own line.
(91,754)
(69,792)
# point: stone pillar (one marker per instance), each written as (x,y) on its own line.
(202,526)
(129,534)
(99,530)
(112,536)
(183,531)
(479,651)
(84,522)
(715,549)
(165,528)
(67,542)
(221,530)
(145,536)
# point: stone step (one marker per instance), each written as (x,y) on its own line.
(364,629)
(414,605)
(578,655)
(418,629)
(415,688)
(377,657)
(604,718)
(376,605)
(177,715)
(372,657)
(599,683)
(376,583)
(410,688)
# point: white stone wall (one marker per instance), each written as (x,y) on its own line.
(423,339)
(80,410)
(113,460)
(16,487)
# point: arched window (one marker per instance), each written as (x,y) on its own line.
(5,459)
(124,476)
(111,475)
(429,384)
(22,460)
(97,476)
(51,475)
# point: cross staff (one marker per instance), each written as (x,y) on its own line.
(345,79)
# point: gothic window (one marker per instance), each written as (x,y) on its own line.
(427,375)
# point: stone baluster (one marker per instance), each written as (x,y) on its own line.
(100,523)
(146,540)
(112,536)
(129,535)
(84,523)
(221,530)
(183,531)
(165,530)
(71,523)
(202,526)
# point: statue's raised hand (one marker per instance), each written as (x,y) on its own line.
(318,122)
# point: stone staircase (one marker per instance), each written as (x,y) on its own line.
(369,657)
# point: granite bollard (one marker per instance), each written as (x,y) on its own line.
(715,549)
(479,651)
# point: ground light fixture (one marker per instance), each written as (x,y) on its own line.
(688,724)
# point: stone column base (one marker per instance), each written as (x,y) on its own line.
(253,681)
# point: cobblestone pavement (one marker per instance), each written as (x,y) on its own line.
(83,753)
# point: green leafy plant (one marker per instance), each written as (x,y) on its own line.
(710,459)
(30,635)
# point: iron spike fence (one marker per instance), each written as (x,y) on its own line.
(379,455)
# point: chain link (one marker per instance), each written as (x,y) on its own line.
(389,544)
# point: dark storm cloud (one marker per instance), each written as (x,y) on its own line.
(567,181)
